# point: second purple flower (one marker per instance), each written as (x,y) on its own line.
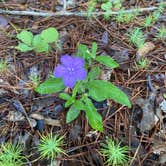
(71,70)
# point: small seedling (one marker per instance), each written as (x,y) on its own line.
(109,6)
(123,17)
(10,155)
(85,86)
(114,153)
(51,146)
(142,63)
(39,43)
(35,80)
(137,38)
(3,66)
(161,34)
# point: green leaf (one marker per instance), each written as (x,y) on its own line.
(51,85)
(106,6)
(49,35)
(39,44)
(70,101)
(94,118)
(94,73)
(23,47)
(83,52)
(107,61)
(100,90)
(64,96)
(26,37)
(74,111)
(94,50)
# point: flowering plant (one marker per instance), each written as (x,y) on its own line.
(77,73)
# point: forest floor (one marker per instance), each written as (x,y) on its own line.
(142,128)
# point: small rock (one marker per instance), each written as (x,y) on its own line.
(3,21)
(40,125)
(58,109)
(105,38)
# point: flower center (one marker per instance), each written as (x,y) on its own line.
(71,70)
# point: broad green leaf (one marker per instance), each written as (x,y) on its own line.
(64,96)
(23,47)
(100,90)
(83,52)
(94,50)
(49,35)
(94,73)
(74,111)
(107,61)
(51,85)
(106,6)
(70,101)
(26,37)
(39,44)
(94,118)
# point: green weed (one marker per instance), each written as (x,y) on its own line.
(137,38)
(10,155)
(39,43)
(50,146)
(114,153)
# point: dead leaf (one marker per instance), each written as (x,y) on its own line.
(147,47)
(52,122)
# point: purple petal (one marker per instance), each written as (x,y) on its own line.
(60,71)
(78,62)
(67,60)
(69,81)
(80,74)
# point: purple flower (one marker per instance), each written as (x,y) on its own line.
(71,70)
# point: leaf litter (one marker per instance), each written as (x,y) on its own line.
(117,121)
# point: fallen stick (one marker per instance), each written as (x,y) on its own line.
(66,13)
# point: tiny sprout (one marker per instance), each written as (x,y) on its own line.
(50,146)
(142,63)
(35,80)
(161,33)
(10,155)
(114,153)
(3,66)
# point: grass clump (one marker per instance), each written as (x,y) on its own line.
(50,146)
(10,155)
(114,153)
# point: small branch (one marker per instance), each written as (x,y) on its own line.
(66,13)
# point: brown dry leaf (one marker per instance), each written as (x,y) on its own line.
(147,47)
(37,116)
(15,116)
(48,121)
(52,122)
